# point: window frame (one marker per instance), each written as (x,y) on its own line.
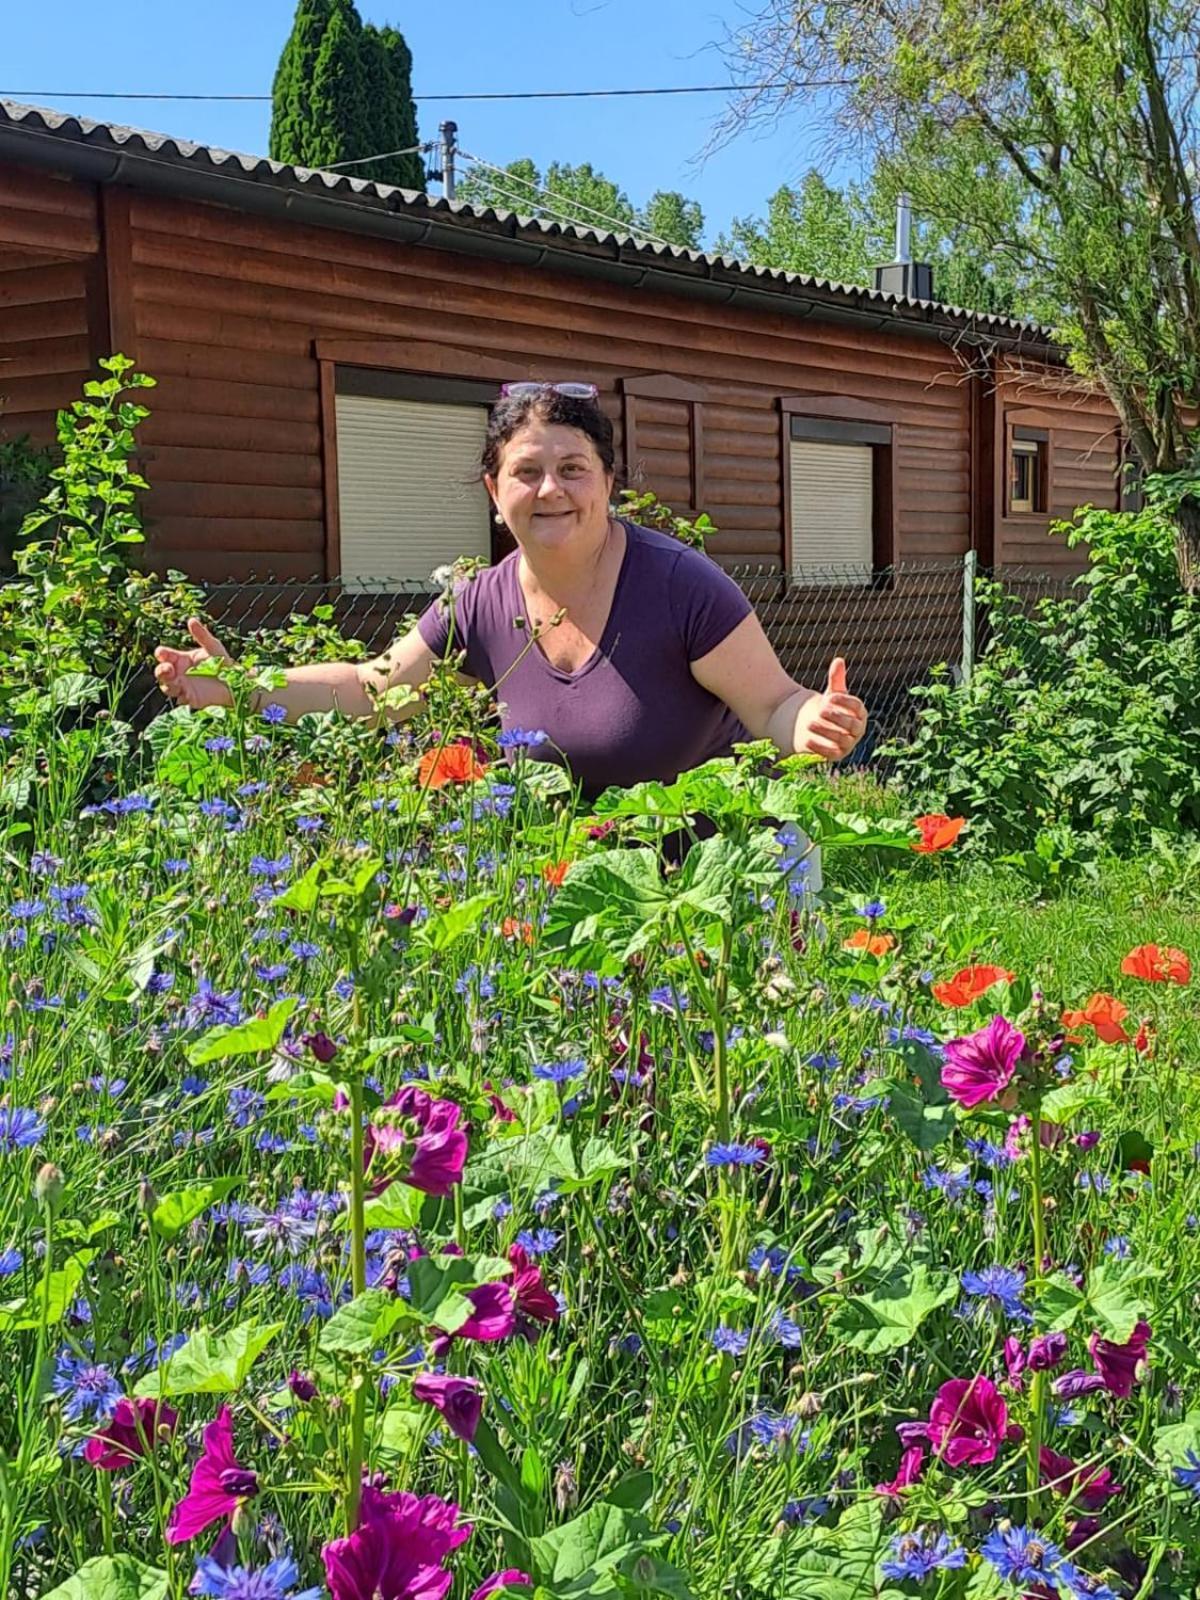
(1019,436)
(839,419)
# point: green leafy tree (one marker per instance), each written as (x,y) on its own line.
(582,195)
(343,92)
(1090,113)
(671,216)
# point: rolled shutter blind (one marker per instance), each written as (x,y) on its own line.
(831,512)
(406,500)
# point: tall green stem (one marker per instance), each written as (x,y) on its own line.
(358,1284)
(1037,1392)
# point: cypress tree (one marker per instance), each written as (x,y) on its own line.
(343,92)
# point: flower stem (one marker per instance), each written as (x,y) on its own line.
(1037,1394)
(358,1284)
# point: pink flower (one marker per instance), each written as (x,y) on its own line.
(911,1464)
(417,1139)
(397,1550)
(1047,1351)
(219,1484)
(1091,1487)
(530,1294)
(1015,1360)
(511,1576)
(980,1066)
(460,1401)
(1118,1364)
(134,1427)
(968,1422)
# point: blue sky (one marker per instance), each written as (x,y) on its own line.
(231,47)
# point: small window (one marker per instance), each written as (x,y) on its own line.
(1027,458)
(832,512)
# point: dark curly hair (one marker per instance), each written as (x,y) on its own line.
(511,413)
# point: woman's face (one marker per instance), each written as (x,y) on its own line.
(551,487)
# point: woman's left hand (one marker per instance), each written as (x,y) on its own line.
(830,724)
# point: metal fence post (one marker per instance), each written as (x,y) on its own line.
(970,566)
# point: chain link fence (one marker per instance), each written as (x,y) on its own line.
(893,624)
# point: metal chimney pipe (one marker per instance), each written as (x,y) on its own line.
(903,228)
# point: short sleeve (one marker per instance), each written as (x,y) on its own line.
(434,627)
(707,604)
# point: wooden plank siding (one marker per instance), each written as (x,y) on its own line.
(229,309)
(49,263)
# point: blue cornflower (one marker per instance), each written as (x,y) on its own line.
(26,910)
(274,713)
(253,1273)
(207,1006)
(264,867)
(774,1259)
(668,998)
(1081,1586)
(218,808)
(545,1201)
(1189,1477)
(824,1061)
(344,988)
(219,744)
(304,949)
(309,824)
(89,1389)
(522,738)
(44,864)
(272,1144)
(873,910)
(11,1260)
(915,1555)
(175,865)
(114,1088)
(538,1241)
(1118,1246)
(502,1208)
(245,1106)
(311,1288)
(1002,1286)
(560,1071)
(774,1429)
(785,1332)
(1022,1555)
(734,1155)
(19,1128)
(797,1512)
(193,1083)
(276,1581)
(280,1230)
(991,1154)
(730,1341)
(954,1185)
(127,805)
(1097,1182)
(272,972)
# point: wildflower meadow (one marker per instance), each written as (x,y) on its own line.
(418,1183)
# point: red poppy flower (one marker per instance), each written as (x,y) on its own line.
(1144,1039)
(875,944)
(1104,1013)
(555,872)
(938,832)
(1157,963)
(453,763)
(514,928)
(968,984)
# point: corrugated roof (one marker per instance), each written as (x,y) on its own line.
(166,151)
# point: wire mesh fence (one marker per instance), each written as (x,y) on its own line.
(893,625)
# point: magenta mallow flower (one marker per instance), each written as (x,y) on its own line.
(980,1066)
(1046,1351)
(968,1422)
(530,1295)
(460,1401)
(219,1484)
(134,1427)
(417,1139)
(510,1578)
(1117,1364)
(1091,1488)
(909,1471)
(397,1550)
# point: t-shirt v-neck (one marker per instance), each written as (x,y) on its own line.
(605,643)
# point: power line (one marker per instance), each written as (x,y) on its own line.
(525,94)
(614,224)
(386,155)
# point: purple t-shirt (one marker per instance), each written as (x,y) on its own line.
(633,711)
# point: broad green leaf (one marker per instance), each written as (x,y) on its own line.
(1173,1443)
(316,1087)
(593,1543)
(925,1125)
(397,1431)
(1116,1292)
(112,1578)
(174,1211)
(888,1315)
(1058,1304)
(1066,1102)
(357,1328)
(448,927)
(210,1363)
(399,1206)
(243,1038)
(49,1303)
(437,1285)
(302,895)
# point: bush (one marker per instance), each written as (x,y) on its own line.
(1080,726)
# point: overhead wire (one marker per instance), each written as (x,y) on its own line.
(556,208)
(511,94)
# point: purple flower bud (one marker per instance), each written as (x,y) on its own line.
(302,1386)
(322,1046)
(1087,1141)
(1047,1351)
(1075,1384)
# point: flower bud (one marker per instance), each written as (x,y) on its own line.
(48,1185)
(147,1197)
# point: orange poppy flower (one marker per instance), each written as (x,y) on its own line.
(306,776)
(875,944)
(938,832)
(514,928)
(1157,963)
(968,985)
(1144,1039)
(555,872)
(453,763)
(1104,1013)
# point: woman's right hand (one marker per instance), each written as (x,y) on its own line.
(173,666)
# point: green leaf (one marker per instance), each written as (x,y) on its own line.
(436,1285)
(209,1363)
(592,1544)
(1116,1295)
(302,895)
(49,1303)
(359,1327)
(1069,1099)
(1173,1443)
(925,1125)
(448,927)
(317,1087)
(888,1315)
(243,1038)
(397,1431)
(1058,1303)
(112,1578)
(399,1206)
(174,1211)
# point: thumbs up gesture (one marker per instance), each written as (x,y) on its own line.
(831,723)
(174,665)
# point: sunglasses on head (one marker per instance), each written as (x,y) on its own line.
(572,391)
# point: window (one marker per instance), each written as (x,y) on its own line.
(409,499)
(1028,471)
(837,493)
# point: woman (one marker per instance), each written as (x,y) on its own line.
(637,656)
